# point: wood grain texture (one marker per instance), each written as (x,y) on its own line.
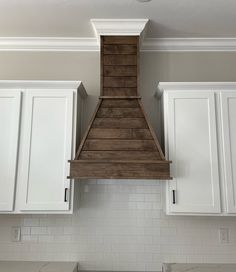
(120,170)
(119,113)
(109,133)
(119,142)
(120,92)
(120,40)
(120,82)
(119,60)
(119,123)
(120,70)
(120,49)
(111,144)
(120,103)
(120,155)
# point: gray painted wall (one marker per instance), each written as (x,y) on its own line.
(154,67)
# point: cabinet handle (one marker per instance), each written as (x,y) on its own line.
(66,195)
(173,196)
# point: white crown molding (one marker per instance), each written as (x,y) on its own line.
(189,44)
(49,84)
(125,27)
(60,44)
(203,86)
(48,44)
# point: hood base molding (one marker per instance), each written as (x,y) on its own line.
(120,169)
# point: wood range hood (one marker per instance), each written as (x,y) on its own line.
(119,142)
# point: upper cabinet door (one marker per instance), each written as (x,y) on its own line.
(10,103)
(228,110)
(192,146)
(47,147)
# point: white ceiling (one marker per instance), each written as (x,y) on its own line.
(71,18)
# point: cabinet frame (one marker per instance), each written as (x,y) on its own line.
(227,153)
(16,95)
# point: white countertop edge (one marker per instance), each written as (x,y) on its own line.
(37,266)
(199,267)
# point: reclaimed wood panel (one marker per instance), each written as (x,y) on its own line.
(120,103)
(119,112)
(109,133)
(119,60)
(120,70)
(119,155)
(125,49)
(110,144)
(119,142)
(120,39)
(119,123)
(120,82)
(120,170)
(120,91)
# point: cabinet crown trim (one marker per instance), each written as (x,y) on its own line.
(49,84)
(182,86)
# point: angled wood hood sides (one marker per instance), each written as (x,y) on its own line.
(119,142)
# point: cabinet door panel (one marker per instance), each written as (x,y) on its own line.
(47,149)
(192,146)
(10,102)
(228,109)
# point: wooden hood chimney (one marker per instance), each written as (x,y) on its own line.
(119,142)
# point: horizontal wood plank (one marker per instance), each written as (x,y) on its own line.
(120,39)
(119,155)
(125,49)
(110,144)
(119,112)
(119,60)
(120,103)
(120,91)
(116,170)
(119,123)
(120,70)
(120,82)
(109,133)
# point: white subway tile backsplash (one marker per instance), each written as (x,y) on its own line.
(119,226)
(32,222)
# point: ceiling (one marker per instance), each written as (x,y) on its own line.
(71,18)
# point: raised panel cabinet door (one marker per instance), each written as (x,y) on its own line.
(228,111)
(192,146)
(10,103)
(47,147)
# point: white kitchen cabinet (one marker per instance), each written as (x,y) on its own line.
(200,140)
(50,122)
(10,103)
(228,109)
(46,150)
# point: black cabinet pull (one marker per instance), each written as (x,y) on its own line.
(65,195)
(173,197)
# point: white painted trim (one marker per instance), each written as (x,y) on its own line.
(49,84)
(178,86)
(189,44)
(65,44)
(110,27)
(48,44)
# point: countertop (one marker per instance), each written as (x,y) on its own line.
(20,266)
(199,267)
